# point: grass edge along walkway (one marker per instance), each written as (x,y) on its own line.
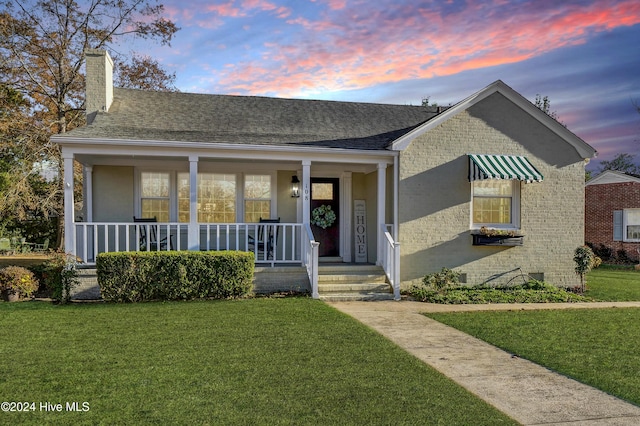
(261,361)
(597,347)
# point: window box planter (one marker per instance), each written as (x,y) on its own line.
(497,240)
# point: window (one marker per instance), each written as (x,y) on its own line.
(631,225)
(257,197)
(322,191)
(154,195)
(216,198)
(221,197)
(495,203)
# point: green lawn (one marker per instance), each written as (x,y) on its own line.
(260,361)
(598,347)
(613,284)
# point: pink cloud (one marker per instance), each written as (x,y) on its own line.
(281,11)
(350,47)
(225,9)
(337,4)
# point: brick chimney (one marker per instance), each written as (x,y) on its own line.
(99,80)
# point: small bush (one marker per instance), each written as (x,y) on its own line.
(603,252)
(532,292)
(441,280)
(57,276)
(184,275)
(585,260)
(16,279)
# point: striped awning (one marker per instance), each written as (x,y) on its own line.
(502,167)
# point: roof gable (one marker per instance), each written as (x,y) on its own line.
(612,176)
(581,147)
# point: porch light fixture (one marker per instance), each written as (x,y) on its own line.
(295,187)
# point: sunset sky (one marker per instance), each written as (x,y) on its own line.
(584,55)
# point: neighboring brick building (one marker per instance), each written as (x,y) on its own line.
(612,213)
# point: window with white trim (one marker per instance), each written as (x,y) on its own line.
(257,197)
(631,225)
(216,198)
(221,197)
(495,203)
(155,195)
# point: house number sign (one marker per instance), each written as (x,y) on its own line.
(306,192)
(360,235)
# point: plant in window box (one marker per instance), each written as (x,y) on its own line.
(497,237)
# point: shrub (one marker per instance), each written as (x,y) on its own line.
(624,258)
(585,260)
(531,292)
(183,275)
(16,279)
(603,252)
(440,280)
(58,275)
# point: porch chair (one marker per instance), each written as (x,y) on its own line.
(267,237)
(150,240)
(42,247)
(5,245)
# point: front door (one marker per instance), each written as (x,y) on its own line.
(325,215)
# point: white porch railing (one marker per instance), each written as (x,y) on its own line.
(93,238)
(310,259)
(271,243)
(391,260)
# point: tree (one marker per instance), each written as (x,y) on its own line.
(585,260)
(623,163)
(544,104)
(143,72)
(425,102)
(42,44)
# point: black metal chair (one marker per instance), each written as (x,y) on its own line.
(267,238)
(149,235)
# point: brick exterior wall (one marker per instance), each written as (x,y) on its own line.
(435,198)
(600,202)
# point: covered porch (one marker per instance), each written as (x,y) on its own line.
(159,198)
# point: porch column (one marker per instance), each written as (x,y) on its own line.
(306,191)
(381,216)
(69,228)
(194,230)
(87,188)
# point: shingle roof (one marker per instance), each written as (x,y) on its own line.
(174,116)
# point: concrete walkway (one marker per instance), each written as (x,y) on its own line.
(527,392)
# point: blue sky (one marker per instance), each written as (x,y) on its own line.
(584,55)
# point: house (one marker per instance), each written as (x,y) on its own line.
(612,214)
(408,186)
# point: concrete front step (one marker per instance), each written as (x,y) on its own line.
(350,273)
(381,287)
(349,268)
(353,282)
(355,297)
(351,278)
(87,288)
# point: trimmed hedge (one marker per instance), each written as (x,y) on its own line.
(174,275)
